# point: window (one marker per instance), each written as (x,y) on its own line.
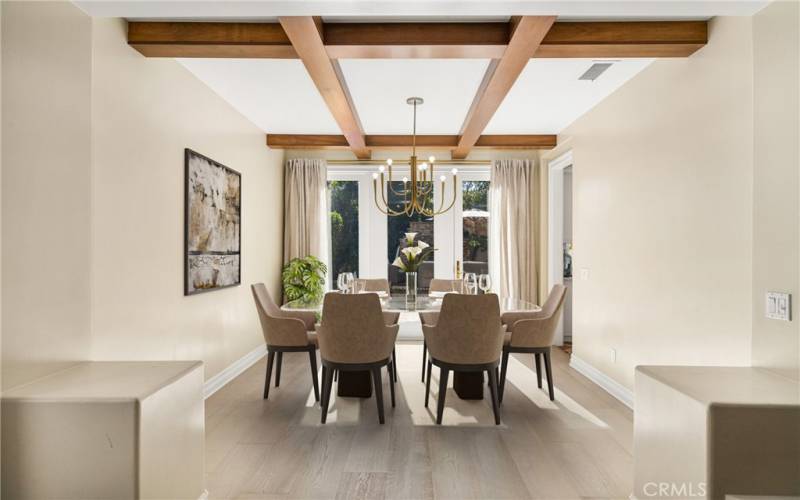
(344,226)
(475,226)
(397,227)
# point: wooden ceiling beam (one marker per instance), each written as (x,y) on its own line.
(419,40)
(306,38)
(375,142)
(528,33)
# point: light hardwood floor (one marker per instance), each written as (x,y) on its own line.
(576,447)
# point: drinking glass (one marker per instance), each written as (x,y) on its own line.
(485,282)
(471,283)
(340,282)
(457,286)
(349,281)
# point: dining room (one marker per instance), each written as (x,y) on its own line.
(407,250)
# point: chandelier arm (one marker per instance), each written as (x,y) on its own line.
(453,202)
(387,210)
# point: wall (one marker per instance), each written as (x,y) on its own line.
(776,193)
(145,112)
(46,101)
(663,213)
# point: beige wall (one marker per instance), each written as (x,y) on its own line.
(663,212)
(145,112)
(46,101)
(776,190)
(93,201)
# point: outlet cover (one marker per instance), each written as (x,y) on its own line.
(779,306)
(584,274)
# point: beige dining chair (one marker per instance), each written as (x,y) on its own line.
(430,317)
(533,333)
(285,332)
(391,318)
(353,336)
(468,337)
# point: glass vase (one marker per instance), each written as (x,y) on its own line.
(411,287)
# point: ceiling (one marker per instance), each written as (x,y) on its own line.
(279,96)
(269,9)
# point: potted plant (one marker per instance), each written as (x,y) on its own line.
(304,279)
(410,259)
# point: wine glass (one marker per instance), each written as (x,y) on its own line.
(485,283)
(341,283)
(349,281)
(471,283)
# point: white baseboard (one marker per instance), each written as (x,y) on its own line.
(219,380)
(607,383)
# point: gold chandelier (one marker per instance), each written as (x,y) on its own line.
(418,196)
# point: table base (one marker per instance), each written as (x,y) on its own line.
(468,385)
(355,384)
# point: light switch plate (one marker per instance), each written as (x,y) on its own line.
(779,306)
(584,274)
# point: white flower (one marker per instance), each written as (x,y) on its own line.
(410,237)
(398,262)
(411,252)
(422,244)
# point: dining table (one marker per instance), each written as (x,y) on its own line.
(467,385)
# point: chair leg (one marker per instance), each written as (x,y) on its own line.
(336,375)
(444,373)
(428,383)
(270,360)
(312,357)
(424,355)
(278,372)
(392,369)
(503,369)
(327,383)
(493,390)
(549,374)
(378,383)
(537,357)
(394,364)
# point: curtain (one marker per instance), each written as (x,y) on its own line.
(514,221)
(305,228)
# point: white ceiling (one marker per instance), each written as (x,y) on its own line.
(279,96)
(265,9)
(548,96)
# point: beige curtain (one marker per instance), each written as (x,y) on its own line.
(305,209)
(514,216)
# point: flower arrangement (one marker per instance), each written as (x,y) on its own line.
(413,255)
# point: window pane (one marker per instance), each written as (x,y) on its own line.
(344,227)
(475,226)
(397,227)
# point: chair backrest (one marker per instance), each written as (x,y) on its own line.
(352,329)
(440,285)
(541,331)
(277,329)
(375,284)
(468,330)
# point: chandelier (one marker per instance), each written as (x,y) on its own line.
(417,192)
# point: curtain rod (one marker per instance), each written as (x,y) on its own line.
(405,162)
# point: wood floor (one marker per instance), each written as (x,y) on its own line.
(576,447)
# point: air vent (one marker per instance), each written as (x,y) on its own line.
(595,70)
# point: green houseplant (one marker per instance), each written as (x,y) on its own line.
(304,279)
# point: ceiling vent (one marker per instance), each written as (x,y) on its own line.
(595,70)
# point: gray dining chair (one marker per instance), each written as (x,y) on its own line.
(468,337)
(285,332)
(353,336)
(533,333)
(430,317)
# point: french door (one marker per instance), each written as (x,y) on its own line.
(366,241)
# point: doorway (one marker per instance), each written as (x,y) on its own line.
(560,237)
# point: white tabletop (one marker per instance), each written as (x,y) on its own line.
(424,303)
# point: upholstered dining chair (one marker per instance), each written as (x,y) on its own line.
(391,318)
(533,333)
(468,336)
(430,317)
(285,332)
(353,336)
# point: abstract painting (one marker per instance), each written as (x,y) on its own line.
(213,231)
